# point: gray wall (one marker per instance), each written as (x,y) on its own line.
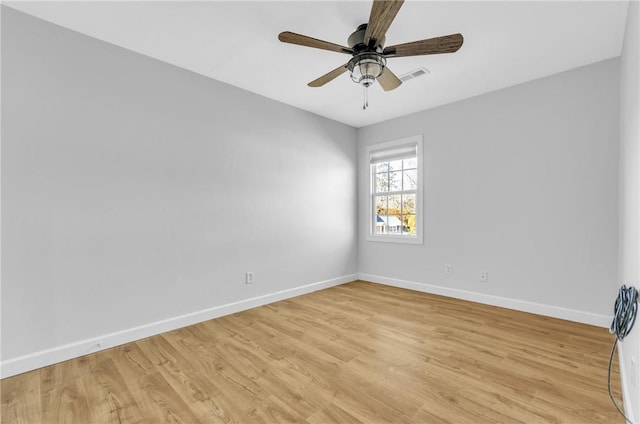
(629,270)
(134,191)
(522,183)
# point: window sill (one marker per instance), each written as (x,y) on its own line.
(395,239)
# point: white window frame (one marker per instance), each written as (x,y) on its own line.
(416,140)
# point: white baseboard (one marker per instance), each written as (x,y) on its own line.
(51,356)
(57,354)
(504,302)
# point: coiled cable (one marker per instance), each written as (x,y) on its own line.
(624,316)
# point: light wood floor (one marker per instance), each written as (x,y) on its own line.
(359,352)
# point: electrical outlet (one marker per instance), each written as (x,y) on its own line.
(250,278)
(484,277)
(448,269)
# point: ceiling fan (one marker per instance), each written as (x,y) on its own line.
(366,45)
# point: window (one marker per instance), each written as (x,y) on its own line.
(396,191)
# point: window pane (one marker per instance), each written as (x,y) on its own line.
(381,205)
(382,182)
(394,224)
(410,180)
(410,163)
(395,165)
(382,167)
(380,217)
(394,204)
(408,204)
(409,226)
(395,181)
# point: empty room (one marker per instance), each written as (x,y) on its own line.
(320,212)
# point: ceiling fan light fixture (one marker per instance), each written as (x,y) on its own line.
(364,68)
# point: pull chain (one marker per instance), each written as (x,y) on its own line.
(365,104)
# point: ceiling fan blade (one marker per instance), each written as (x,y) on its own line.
(329,76)
(445,44)
(303,40)
(382,14)
(388,80)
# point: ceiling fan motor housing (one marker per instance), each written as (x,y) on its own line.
(356,41)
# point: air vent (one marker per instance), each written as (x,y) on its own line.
(414,74)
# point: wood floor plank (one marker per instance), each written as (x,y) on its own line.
(64,372)
(273,410)
(154,396)
(110,399)
(355,353)
(21,399)
(332,414)
(201,394)
(65,403)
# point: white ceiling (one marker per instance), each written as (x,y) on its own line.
(505,43)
